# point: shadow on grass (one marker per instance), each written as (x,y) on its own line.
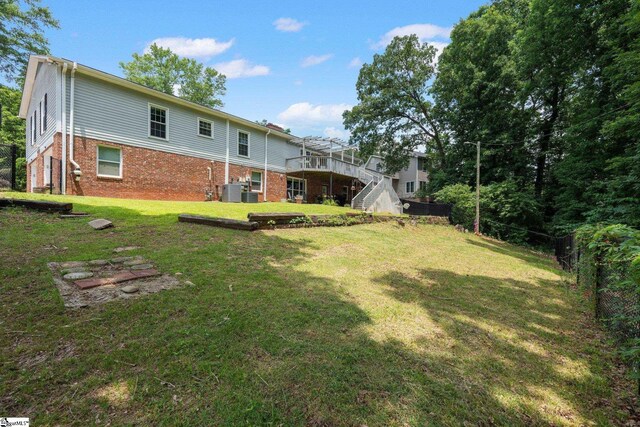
(515,347)
(535,259)
(257,340)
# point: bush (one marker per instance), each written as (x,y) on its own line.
(463,200)
(329,202)
(507,211)
(21,173)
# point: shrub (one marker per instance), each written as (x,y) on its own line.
(463,199)
(329,202)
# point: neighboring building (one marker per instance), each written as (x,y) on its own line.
(91,133)
(410,179)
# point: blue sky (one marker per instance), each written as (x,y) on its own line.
(293,63)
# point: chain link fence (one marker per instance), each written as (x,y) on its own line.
(7,167)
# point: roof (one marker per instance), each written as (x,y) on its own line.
(30,77)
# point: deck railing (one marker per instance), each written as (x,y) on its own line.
(322,164)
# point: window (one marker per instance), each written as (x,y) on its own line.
(157,122)
(43,114)
(410,186)
(423,185)
(243,144)
(256,181)
(325,190)
(205,128)
(422,164)
(109,162)
(34,126)
(295,187)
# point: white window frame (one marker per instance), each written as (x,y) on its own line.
(108,161)
(261,180)
(420,186)
(34,127)
(303,181)
(41,114)
(248,143)
(200,119)
(30,130)
(166,130)
(413,187)
(46,176)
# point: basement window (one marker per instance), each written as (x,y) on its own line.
(256,181)
(205,128)
(157,122)
(109,162)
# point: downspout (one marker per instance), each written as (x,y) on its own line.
(266,140)
(63,186)
(226,161)
(77,171)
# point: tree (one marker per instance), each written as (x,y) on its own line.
(163,70)
(21,33)
(476,95)
(394,116)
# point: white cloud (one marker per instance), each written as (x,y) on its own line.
(425,32)
(298,82)
(334,132)
(239,68)
(305,114)
(192,48)
(312,60)
(355,63)
(288,25)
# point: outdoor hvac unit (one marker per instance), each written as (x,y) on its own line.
(232,193)
(249,197)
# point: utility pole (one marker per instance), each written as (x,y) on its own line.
(476,226)
(476,223)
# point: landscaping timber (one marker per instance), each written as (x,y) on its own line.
(274,218)
(39,205)
(219,222)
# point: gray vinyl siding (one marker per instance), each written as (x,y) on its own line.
(45,82)
(108,112)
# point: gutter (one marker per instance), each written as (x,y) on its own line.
(77,172)
(63,134)
(266,141)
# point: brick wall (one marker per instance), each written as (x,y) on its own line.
(152,174)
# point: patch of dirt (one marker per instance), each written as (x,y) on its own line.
(75,297)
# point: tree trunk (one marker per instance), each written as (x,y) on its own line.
(545,142)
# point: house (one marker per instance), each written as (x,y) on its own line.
(95,134)
(410,179)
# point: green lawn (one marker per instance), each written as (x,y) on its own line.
(155,208)
(368,325)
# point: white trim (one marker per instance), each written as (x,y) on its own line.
(226,159)
(201,119)
(166,119)
(40,104)
(407,189)
(108,161)
(251,179)
(248,144)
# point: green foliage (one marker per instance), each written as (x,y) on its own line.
(21,173)
(394,116)
(615,248)
(507,212)
(13,127)
(464,203)
(22,25)
(301,220)
(421,192)
(163,70)
(329,202)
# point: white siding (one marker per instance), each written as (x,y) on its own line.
(45,82)
(108,112)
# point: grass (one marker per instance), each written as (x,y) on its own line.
(374,324)
(157,208)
